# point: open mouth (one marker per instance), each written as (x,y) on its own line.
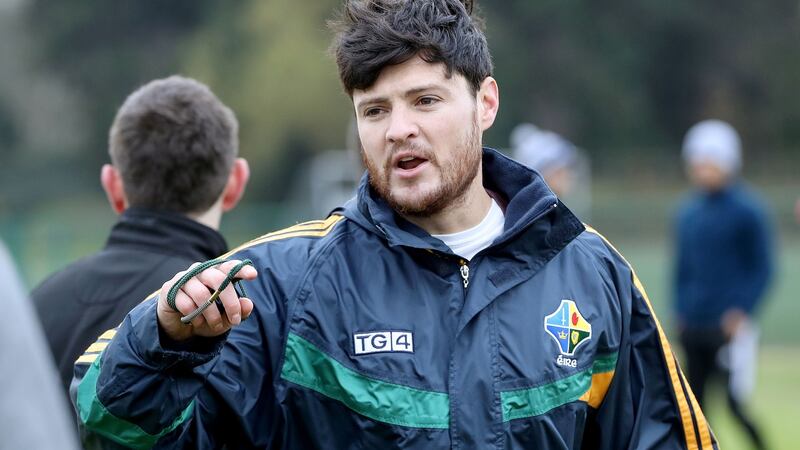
(410,162)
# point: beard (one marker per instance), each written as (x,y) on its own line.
(456,176)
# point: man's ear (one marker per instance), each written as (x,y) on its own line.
(111,180)
(488,102)
(237,181)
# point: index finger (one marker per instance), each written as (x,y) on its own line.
(247,272)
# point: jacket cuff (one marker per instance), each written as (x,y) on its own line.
(157,350)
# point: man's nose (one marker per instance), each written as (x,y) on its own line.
(402,125)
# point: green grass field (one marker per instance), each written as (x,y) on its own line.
(774,405)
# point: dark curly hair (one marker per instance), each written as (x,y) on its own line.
(373,34)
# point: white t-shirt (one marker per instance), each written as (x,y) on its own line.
(467,243)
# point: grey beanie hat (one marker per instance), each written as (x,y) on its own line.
(716,142)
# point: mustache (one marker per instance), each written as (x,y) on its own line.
(418,149)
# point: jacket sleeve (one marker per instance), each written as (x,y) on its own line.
(649,404)
(135,389)
(756,246)
(131,391)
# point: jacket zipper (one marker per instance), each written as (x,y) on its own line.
(464,269)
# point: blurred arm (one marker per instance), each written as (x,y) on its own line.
(33,412)
(757,253)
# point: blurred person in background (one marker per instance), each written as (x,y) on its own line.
(169,126)
(547,153)
(564,167)
(724,263)
(455,303)
(33,411)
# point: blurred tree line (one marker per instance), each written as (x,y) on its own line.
(615,77)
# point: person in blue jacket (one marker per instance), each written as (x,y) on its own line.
(723,268)
(454,303)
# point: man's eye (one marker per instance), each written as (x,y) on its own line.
(427,101)
(372,112)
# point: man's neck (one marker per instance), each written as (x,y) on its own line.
(210,218)
(463,214)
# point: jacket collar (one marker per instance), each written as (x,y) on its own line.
(537,228)
(527,196)
(166,232)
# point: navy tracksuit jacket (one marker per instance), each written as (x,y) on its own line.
(368,333)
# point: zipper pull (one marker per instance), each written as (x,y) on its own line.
(464,273)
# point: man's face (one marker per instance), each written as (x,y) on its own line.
(707,175)
(420,136)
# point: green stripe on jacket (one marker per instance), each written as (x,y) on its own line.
(306,365)
(95,417)
(538,400)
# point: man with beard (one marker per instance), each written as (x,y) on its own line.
(454,303)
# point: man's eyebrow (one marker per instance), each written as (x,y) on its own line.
(427,87)
(370,101)
(409,93)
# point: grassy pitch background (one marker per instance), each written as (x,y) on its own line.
(774,405)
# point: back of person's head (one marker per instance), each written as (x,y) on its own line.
(713,142)
(174,143)
(541,150)
(374,34)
